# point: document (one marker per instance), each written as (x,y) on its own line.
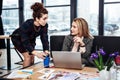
(46,73)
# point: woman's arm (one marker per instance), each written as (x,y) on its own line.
(88,46)
(44,38)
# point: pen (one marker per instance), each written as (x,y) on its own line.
(27,72)
(78,78)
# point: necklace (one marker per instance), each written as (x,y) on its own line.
(37,29)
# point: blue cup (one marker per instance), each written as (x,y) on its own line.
(46,61)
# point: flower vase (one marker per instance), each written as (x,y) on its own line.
(104,75)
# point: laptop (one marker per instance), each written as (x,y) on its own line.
(67,59)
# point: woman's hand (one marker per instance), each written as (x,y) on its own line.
(39,54)
(78,40)
(47,52)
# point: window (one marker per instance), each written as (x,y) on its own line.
(89,11)
(10,16)
(56,2)
(59,16)
(112,0)
(27,8)
(10,4)
(10,21)
(112,19)
(59,20)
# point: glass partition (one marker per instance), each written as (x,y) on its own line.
(111,0)
(88,10)
(27,8)
(59,20)
(111,20)
(10,4)
(56,2)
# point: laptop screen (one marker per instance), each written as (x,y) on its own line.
(67,59)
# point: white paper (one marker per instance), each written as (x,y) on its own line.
(21,73)
(43,77)
(64,76)
(46,71)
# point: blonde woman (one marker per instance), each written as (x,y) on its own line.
(79,40)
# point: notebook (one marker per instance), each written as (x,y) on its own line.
(67,59)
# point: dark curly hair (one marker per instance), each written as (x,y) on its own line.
(38,10)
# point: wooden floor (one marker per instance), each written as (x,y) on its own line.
(14,58)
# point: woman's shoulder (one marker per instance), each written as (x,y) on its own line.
(29,21)
(69,37)
(27,24)
(88,39)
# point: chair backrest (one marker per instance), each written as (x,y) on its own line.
(56,42)
(0,53)
(110,44)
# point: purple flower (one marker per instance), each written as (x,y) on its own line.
(102,52)
(98,59)
(114,54)
(93,56)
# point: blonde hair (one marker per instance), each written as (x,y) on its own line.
(82,27)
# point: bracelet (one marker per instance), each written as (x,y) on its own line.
(82,46)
